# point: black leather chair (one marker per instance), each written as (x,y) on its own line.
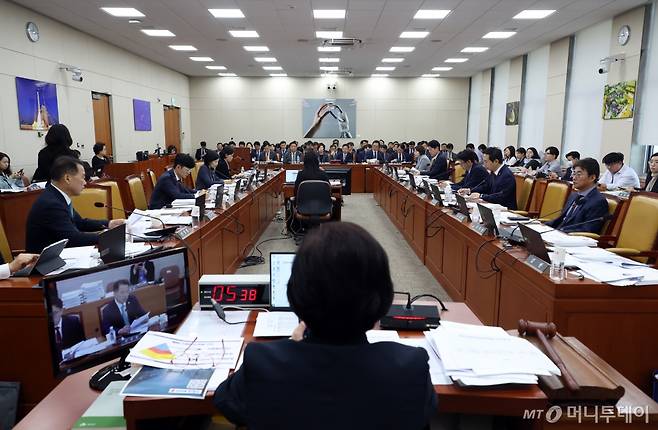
(313,203)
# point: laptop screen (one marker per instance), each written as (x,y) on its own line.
(291,176)
(280,270)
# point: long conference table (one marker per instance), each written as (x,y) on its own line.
(620,324)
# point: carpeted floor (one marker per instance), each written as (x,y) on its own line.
(407,271)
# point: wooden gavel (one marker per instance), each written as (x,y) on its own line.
(545,331)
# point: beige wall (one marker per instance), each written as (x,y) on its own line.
(106,69)
(271,109)
(558,63)
(485,107)
(618,134)
(514,95)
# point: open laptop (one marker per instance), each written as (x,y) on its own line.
(534,243)
(112,244)
(48,261)
(247,187)
(280,270)
(488,219)
(412,182)
(237,190)
(436,193)
(291,176)
(219,196)
(200,201)
(397,175)
(462,207)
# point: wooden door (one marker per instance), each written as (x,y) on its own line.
(102,120)
(172,126)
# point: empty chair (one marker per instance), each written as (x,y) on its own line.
(555,196)
(524,197)
(5,249)
(137,193)
(85,203)
(117,199)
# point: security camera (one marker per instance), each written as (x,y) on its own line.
(604,64)
(76,73)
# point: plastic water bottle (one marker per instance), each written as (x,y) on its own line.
(557,271)
(112,336)
(129,236)
(447,192)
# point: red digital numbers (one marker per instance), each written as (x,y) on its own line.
(233,293)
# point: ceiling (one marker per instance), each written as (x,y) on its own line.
(288,28)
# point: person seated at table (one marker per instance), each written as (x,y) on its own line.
(572,157)
(207,175)
(509,158)
(170,185)
(532,157)
(171,150)
(346,155)
(121,311)
(267,154)
(377,152)
(585,207)
(438,168)
(11,180)
(551,163)
(201,151)
(520,157)
(475,174)
(21,261)
(257,151)
(100,159)
(223,169)
(327,375)
(501,186)
(651,183)
(311,170)
(52,217)
(422,160)
(292,156)
(618,175)
(323,157)
(68,329)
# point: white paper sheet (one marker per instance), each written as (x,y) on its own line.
(275,324)
(382,336)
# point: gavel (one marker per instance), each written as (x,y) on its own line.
(545,331)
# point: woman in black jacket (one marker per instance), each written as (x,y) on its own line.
(207,175)
(58,143)
(223,169)
(311,170)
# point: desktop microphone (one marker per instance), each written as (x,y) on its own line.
(103,205)
(603,218)
(481,182)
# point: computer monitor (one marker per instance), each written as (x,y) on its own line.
(219,196)
(96,315)
(291,176)
(280,270)
(462,207)
(534,243)
(247,187)
(112,244)
(412,182)
(436,192)
(236,192)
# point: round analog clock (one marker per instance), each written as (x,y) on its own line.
(624,35)
(32,31)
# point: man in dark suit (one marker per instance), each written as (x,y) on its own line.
(377,153)
(200,152)
(52,217)
(256,153)
(267,154)
(121,311)
(346,156)
(573,157)
(68,329)
(292,156)
(170,186)
(327,376)
(651,183)
(361,152)
(586,206)
(476,176)
(438,163)
(501,187)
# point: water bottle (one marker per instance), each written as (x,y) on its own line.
(162,320)
(196,216)
(447,192)
(129,237)
(557,271)
(112,336)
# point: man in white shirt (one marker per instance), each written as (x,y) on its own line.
(21,260)
(551,162)
(618,175)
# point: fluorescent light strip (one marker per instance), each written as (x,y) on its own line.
(430,75)
(202,59)
(384,68)
(226,13)
(329,13)
(456,60)
(183,47)
(123,12)
(379,75)
(329,48)
(278,75)
(441,69)
(328,34)
(272,68)
(534,14)
(431,14)
(474,49)
(227,75)
(392,60)
(329,68)
(256,48)
(413,34)
(265,59)
(158,33)
(402,49)
(329,60)
(243,33)
(499,35)
(215,67)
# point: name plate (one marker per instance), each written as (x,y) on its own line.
(211,215)
(537,264)
(460,216)
(184,232)
(480,229)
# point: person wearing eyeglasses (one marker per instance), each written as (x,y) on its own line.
(170,185)
(651,183)
(476,176)
(618,175)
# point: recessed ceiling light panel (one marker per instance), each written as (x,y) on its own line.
(474,49)
(226,13)
(402,49)
(182,47)
(158,33)
(441,69)
(328,34)
(265,59)
(534,14)
(256,48)
(123,12)
(431,14)
(385,68)
(499,35)
(329,13)
(215,67)
(392,60)
(243,33)
(456,60)
(413,34)
(202,59)
(329,60)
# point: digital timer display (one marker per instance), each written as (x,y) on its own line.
(239,295)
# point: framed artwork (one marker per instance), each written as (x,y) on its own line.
(512,113)
(37,104)
(329,118)
(619,100)
(142,115)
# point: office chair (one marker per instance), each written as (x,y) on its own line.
(151,175)
(313,204)
(195,172)
(84,204)
(5,249)
(173,283)
(555,197)
(524,197)
(137,192)
(117,198)
(614,209)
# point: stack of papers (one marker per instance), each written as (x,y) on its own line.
(482,356)
(155,382)
(71,299)
(275,324)
(182,203)
(176,220)
(93,291)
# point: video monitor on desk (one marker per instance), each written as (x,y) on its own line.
(95,315)
(291,176)
(280,271)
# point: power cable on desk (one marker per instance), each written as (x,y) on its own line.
(488,273)
(443,306)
